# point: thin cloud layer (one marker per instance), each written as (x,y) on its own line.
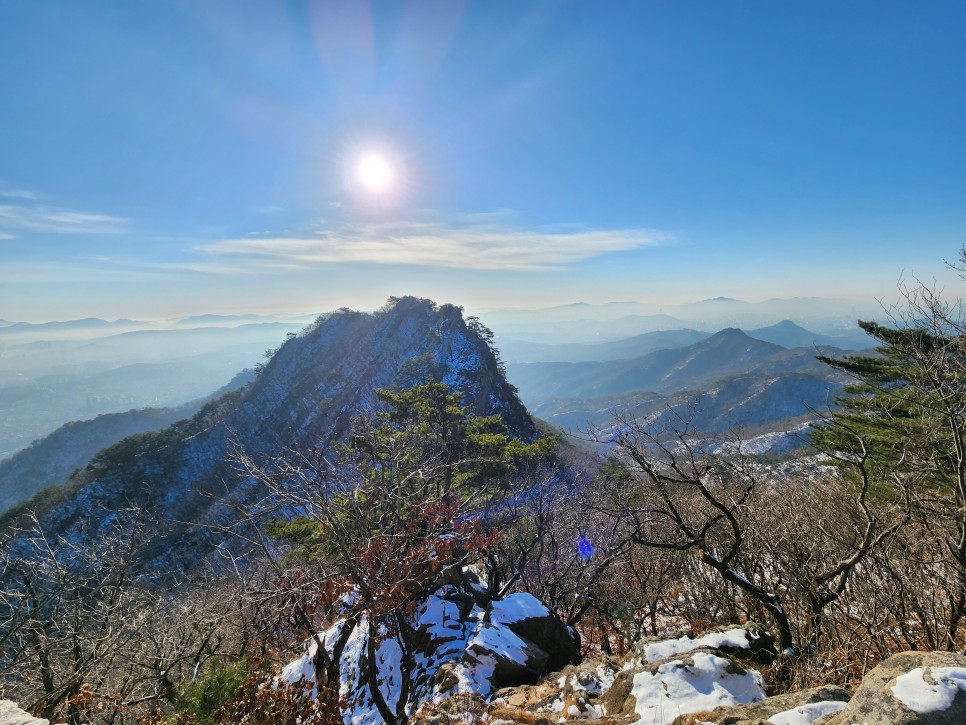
(57,220)
(439,245)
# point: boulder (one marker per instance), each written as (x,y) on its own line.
(910,688)
(458,642)
(746,642)
(812,703)
(529,619)
(700,680)
(11,714)
(508,659)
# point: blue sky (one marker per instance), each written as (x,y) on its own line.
(169,158)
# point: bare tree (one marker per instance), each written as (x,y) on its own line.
(85,637)
(695,495)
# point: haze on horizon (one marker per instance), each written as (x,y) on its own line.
(168,159)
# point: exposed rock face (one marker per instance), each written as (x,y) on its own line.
(11,714)
(804,704)
(574,691)
(910,688)
(306,396)
(454,646)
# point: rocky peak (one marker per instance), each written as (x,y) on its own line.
(305,396)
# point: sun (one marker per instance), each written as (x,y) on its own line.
(375,173)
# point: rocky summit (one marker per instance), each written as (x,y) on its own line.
(305,397)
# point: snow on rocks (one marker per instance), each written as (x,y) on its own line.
(749,641)
(806,714)
(926,688)
(517,608)
(930,690)
(496,655)
(794,708)
(680,686)
(698,681)
(468,656)
(456,642)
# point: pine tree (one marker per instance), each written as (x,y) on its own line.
(901,430)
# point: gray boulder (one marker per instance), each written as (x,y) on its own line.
(11,714)
(530,620)
(910,688)
(512,660)
(758,713)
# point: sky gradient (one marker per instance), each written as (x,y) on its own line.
(161,159)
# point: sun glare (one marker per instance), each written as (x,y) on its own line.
(374,173)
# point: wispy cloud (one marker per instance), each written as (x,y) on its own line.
(479,246)
(19,194)
(57,220)
(5,235)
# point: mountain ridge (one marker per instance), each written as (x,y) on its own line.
(49,461)
(307,395)
(726,352)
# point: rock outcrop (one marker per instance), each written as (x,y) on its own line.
(910,688)
(305,398)
(696,684)
(805,706)
(11,714)
(457,643)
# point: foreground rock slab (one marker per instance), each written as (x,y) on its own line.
(11,714)
(699,681)
(806,706)
(910,688)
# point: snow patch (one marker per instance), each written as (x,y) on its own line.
(806,714)
(301,669)
(655,651)
(475,676)
(516,608)
(677,688)
(389,658)
(933,695)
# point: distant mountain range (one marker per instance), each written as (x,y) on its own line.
(748,404)
(724,384)
(628,348)
(235,320)
(721,355)
(88,324)
(587,323)
(785,333)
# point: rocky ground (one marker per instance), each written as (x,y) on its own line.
(481,661)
